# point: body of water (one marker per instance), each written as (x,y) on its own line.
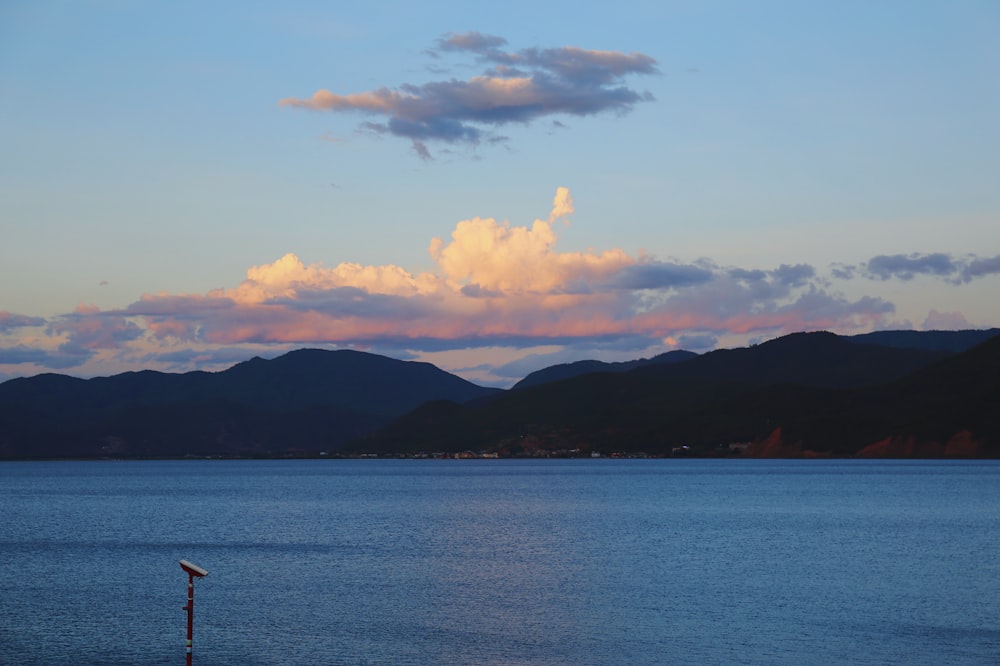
(502,562)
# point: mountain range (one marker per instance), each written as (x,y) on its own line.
(308,399)
(898,393)
(802,394)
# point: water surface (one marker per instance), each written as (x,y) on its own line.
(502,562)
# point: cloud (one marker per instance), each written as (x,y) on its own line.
(89,329)
(515,87)
(493,257)
(10,321)
(58,348)
(61,359)
(696,343)
(938,264)
(626,348)
(906,267)
(945,321)
(728,305)
(843,271)
(470,41)
(978,268)
(420,148)
(794,276)
(224,356)
(493,285)
(660,275)
(500,284)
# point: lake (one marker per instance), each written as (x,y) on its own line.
(502,562)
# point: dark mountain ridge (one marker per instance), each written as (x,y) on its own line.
(947,341)
(333,396)
(950,408)
(803,394)
(555,373)
(819,359)
(811,392)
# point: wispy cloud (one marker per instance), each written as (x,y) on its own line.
(513,87)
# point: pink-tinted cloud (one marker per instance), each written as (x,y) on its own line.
(728,305)
(88,328)
(494,285)
(497,283)
(497,258)
(517,87)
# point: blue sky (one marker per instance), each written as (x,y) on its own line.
(491,189)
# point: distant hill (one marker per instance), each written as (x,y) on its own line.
(818,359)
(308,399)
(939,341)
(555,373)
(948,341)
(803,394)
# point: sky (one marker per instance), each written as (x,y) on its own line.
(490,188)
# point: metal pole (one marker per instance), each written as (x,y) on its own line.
(191,570)
(190,610)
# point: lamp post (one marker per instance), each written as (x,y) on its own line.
(193,571)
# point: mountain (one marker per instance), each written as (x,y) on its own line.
(939,341)
(308,399)
(948,341)
(949,408)
(812,359)
(555,373)
(803,394)
(963,390)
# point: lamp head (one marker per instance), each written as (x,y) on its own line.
(193,569)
